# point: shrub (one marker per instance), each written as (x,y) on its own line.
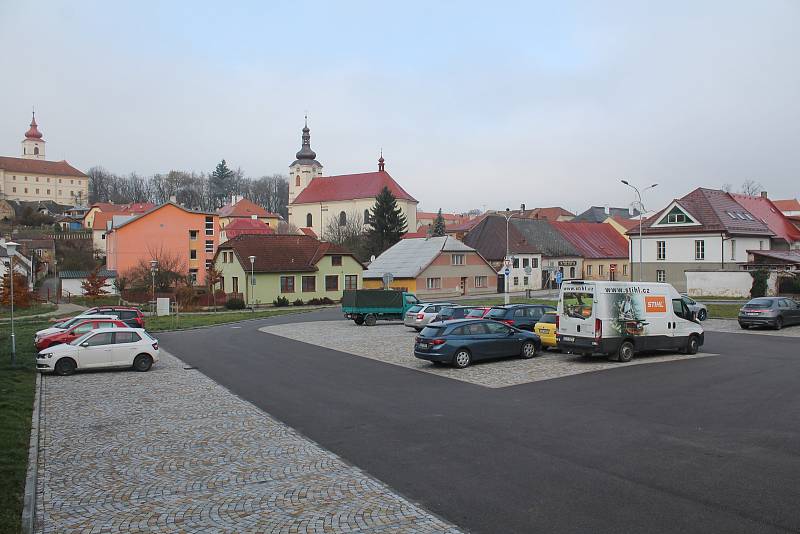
(314,302)
(759,288)
(234,303)
(326,300)
(298,302)
(280,302)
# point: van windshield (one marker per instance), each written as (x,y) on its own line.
(578,305)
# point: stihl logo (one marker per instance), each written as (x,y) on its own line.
(655,304)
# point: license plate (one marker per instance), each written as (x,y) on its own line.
(544,331)
(423,346)
(753,313)
(568,339)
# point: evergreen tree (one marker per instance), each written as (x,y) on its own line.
(438,225)
(387,224)
(220,183)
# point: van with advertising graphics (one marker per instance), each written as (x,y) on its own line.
(619,319)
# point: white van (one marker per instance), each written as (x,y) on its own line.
(620,318)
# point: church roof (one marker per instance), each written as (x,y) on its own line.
(33,132)
(350,187)
(39,166)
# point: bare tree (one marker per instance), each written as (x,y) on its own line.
(751,188)
(727,187)
(285,228)
(348,232)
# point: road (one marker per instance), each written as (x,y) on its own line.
(702,445)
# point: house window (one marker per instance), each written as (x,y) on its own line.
(37,190)
(209,263)
(287,284)
(661,250)
(524,280)
(193,235)
(516,280)
(699,249)
(36,150)
(516,263)
(48,191)
(457,259)
(332,282)
(342,218)
(209,225)
(193,254)
(14,189)
(601,270)
(366,216)
(193,276)
(351,281)
(760,245)
(433,283)
(733,249)
(661,275)
(572,272)
(526,262)
(209,246)
(102,236)
(235,283)
(588,270)
(336,261)
(222,283)
(309,284)
(309,221)
(26,189)
(37,178)
(624,268)
(480,281)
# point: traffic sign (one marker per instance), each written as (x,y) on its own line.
(559,277)
(507,272)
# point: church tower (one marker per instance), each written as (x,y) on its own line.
(33,144)
(305,168)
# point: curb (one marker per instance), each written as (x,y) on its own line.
(29,497)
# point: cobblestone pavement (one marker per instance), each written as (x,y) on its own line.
(172,451)
(731,325)
(394,343)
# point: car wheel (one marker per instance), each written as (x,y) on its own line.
(692,345)
(462,359)
(702,315)
(359,320)
(142,363)
(625,352)
(744,326)
(778,323)
(528,350)
(370,319)
(65,366)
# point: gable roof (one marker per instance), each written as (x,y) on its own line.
(349,187)
(712,209)
(244,208)
(627,224)
(598,214)
(50,205)
(593,240)
(39,166)
(241,226)
(121,219)
(281,253)
(789,204)
(409,257)
(551,214)
(765,210)
(544,238)
(488,237)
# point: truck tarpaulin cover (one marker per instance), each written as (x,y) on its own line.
(372,298)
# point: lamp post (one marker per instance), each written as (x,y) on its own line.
(11,249)
(153,269)
(506,300)
(251,289)
(641,214)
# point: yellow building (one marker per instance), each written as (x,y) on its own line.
(33,178)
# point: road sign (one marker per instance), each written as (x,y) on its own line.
(613,267)
(507,272)
(559,277)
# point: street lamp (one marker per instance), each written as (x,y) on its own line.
(641,214)
(507,215)
(251,289)
(153,269)
(11,250)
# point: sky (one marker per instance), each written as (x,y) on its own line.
(475,104)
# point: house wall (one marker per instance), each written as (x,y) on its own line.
(622,269)
(406,284)
(73,286)
(451,276)
(563,265)
(680,248)
(272,222)
(99,241)
(164,231)
(61,189)
(323,212)
(725,283)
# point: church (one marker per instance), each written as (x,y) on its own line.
(315,200)
(32,178)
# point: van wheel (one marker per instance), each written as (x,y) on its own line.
(370,319)
(65,366)
(359,320)
(625,352)
(462,359)
(692,345)
(528,350)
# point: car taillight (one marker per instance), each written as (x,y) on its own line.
(508,321)
(420,316)
(438,342)
(557,322)
(598,328)
(155,345)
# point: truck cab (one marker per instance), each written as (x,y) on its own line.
(618,319)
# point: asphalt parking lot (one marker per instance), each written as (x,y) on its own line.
(690,445)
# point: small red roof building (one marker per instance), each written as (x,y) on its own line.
(593,240)
(242,226)
(245,208)
(789,204)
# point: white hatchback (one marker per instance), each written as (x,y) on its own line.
(102,348)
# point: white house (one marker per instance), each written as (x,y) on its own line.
(72,282)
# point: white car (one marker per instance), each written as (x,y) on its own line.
(66,325)
(105,347)
(418,317)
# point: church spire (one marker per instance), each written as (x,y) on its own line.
(305,150)
(380,162)
(33,132)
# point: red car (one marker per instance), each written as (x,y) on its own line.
(478,313)
(133,317)
(77,331)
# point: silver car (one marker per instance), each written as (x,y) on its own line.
(698,308)
(417,317)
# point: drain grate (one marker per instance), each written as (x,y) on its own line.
(189,368)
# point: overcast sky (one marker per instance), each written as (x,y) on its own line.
(474,104)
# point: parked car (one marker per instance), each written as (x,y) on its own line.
(479,312)
(449,313)
(76,331)
(776,312)
(417,320)
(546,329)
(522,316)
(131,316)
(103,348)
(66,325)
(699,309)
(463,341)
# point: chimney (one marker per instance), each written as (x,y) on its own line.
(763,194)
(522,207)
(607,210)
(173,199)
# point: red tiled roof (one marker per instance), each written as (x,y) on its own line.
(39,166)
(415,235)
(242,226)
(593,240)
(550,214)
(789,204)
(281,253)
(448,217)
(625,223)
(244,208)
(349,187)
(763,208)
(101,219)
(309,232)
(467,225)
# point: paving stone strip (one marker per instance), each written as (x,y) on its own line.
(173,451)
(394,344)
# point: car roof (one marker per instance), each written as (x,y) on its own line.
(120,329)
(451,322)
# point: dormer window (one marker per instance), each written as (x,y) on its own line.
(674,218)
(730,214)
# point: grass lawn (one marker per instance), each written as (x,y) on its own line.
(107,300)
(723,311)
(16,403)
(156,324)
(33,309)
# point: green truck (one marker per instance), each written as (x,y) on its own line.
(366,306)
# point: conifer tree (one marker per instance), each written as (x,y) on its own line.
(220,183)
(387,224)
(439,229)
